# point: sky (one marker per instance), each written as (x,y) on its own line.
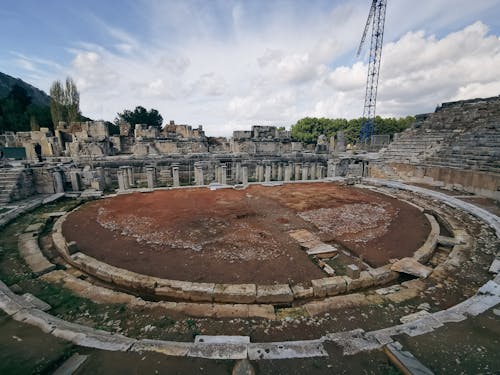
(229,64)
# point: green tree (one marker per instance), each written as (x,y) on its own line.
(13,112)
(309,128)
(72,101)
(140,116)
(64,102)
(56,102)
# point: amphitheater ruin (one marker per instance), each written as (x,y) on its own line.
(255,247)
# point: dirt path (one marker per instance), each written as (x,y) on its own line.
(242,235)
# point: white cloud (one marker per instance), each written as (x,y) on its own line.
(226,68)
(246,82)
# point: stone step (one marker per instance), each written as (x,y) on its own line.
(71,365)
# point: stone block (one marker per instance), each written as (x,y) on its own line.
(173,289)
(261,311)
(365,280)
(302,235)
(287,349)
(307,245)
(300,292)
(338,302)
(414,316)
(36,302)
(36,228)
(383,275)
(72,248)
(323,248)
(353,271)
(132,280)
(414,284)
(218,351)
(329,286)
(495,266)
(197,310)
(235,293)
(231,310)
(402,295)
(200,292)
(170,348)
(424,253)
(412,267)
(32,255)
(280,293)
(222,339)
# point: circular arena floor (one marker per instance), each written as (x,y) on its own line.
(240,236)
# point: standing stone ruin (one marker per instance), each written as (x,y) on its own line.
(456,147)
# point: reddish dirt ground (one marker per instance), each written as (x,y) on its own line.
(239,236)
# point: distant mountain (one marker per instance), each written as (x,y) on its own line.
(38,97)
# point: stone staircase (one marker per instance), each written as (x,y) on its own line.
(8,183)
(477,148)
(415,145)
(464,135)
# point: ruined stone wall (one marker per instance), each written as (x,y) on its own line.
(142,131)
(472,181)
(457,147)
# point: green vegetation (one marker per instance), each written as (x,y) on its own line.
(64,102)
(24,107)
(18,112)
(309,128)
(140,116)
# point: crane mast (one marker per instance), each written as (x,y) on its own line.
(376,20)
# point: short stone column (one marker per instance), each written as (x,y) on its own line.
(260,173)
(151,177)
(305,171)
(267,175)
(288,172)
(223,174)
(217,174)
(274,171)
(107,177)
(198,174)
(102,177)
(244,175)
(75,180)
(58,182)
(297,175)
(279,177)
(130,176)
(331,168)
(237,173)
(312,171)
(122,175)
(320,172)
(175,176)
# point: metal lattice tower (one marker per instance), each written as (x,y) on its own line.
(376,19)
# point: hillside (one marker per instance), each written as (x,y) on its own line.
(38,97)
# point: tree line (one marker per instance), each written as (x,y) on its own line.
(19,113)
(308,129)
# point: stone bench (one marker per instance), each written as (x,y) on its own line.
(32,255)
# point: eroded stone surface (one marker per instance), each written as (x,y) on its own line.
(411,267)
(236,293)
(287,349)
(280,293)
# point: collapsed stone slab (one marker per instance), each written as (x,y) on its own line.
(412,267)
